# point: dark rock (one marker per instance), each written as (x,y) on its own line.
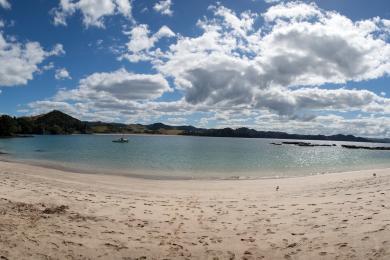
(382,148)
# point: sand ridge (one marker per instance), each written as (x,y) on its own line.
(51,214)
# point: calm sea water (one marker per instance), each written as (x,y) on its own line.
(189,157)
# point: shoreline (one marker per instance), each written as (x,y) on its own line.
(156,175)
(48,213)
(62,174)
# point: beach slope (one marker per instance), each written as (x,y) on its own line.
(53,214)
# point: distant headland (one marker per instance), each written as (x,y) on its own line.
(59,123)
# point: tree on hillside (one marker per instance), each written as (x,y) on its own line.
(8,126)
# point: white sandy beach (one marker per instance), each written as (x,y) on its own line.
(53,214)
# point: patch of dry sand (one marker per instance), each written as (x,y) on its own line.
(51,214)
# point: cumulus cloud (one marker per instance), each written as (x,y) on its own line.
(272,1)
(233,63)
(19,61)
(57,50)
(290,102)
(5,4)
(142,42)
(164,7)
(292,10)
(124,7)
(61,74)
(93,11)
(241,24)
(114,96)
(371,126)
(119,85)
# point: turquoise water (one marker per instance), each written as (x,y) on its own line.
(189,157)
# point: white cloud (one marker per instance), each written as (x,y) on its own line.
(272,1)
(141,42)
(18,62)
(291,102)
(241,24)
(61,74)
(125,8)
(5,4)
(164,7)
(93,11)
(175,121)
(119,85)
(47,67)
(139,39)
(329,124)
(114,96)
(233,64)
(292,10)
(164,31)
(57,50)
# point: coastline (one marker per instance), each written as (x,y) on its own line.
(57,214)
(190,175)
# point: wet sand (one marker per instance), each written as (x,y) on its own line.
(53,214)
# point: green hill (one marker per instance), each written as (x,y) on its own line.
(57,122)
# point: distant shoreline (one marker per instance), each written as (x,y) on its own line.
(57,122)
(187,135)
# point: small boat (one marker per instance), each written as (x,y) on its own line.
(121,140)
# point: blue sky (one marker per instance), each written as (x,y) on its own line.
(296,66)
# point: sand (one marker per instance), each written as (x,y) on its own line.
(53,214)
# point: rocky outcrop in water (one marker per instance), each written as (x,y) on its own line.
(305,144)
(381,148)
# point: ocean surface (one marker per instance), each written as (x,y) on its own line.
(186,157)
